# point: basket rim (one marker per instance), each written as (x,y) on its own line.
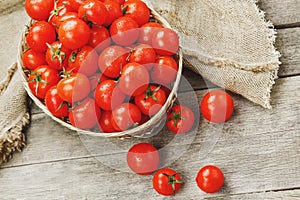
(127,133)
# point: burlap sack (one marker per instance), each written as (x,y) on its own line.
(228,42)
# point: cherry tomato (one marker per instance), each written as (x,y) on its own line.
(134,79)
(146,32)
(39,9)
(164,70)
(75,4)
(210,179)
(165,41)
(217,106)
(96,79)
(39,34)
(85,115)
(137,10)
(66,16)
(114,11)
(42,79)
(180,119)
(166,181)
(55,104)
(111,60)
(99,38)
(61,7)
(105,124)
(120,2)
(144,119)
(151,101)
(93,12)
(124,31)
(73,88)
(143,158)
(57,55)
(143,54)
(32,59)
(74,33)
(125,116)
(84,60)
(108,95)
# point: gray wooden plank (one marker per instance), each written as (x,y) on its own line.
(291,194)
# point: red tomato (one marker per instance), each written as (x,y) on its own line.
(66,16)
(120,2)
(42,79)
(61,7)
(144,119)
(146,32)
(57,55)
(134,79)
(143,54)
(143,158)
(124,31)
(165,70)
(73,88)
(151,101)
(75,4)
(210,179)
(217,106)
(165,41)
(74,33)
(93,12)
(39,34)
(111,61)
(85,115)
(32,59)
(166,181)
(84,60)
(97,79)
(114,11)
(105,124)
(108,95)
(137,10)
(180,119)
(39,9)
(99,38)
(125,116)
(55,104)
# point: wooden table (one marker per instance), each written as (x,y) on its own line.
(258,149)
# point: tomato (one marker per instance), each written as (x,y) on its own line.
(146,32)
(108,95)
(57,55)
(84,60)
(120,2)
(66,16)
(73,88)
(74,33)
(164,70)
(39,9)
(217,106)
(114,11)
(32,59)
(61,7)
(165,41)
(134,79)
(180,119)
(105,124)
(143,158)
(144,119)
(85,115)
(111,60)
(210,179)
(39,34)
(93,12)
(99,38)
(151,101)
(137,10)
(125,116)
(55,104)
(143,54)
(75,4)
(42,79)
(124,31)
(97,79)
(166,181)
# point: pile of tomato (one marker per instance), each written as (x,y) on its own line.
(108,66)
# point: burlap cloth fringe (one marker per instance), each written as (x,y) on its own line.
(228,42)
(14,114)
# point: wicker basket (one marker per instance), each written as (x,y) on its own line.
(142,130)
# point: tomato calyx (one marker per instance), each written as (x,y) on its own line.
(150,93)
(176,117)
(57,53)
(172,180)
(55,11)
(37,79)
(62,104)
(124,9)
(73,56)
